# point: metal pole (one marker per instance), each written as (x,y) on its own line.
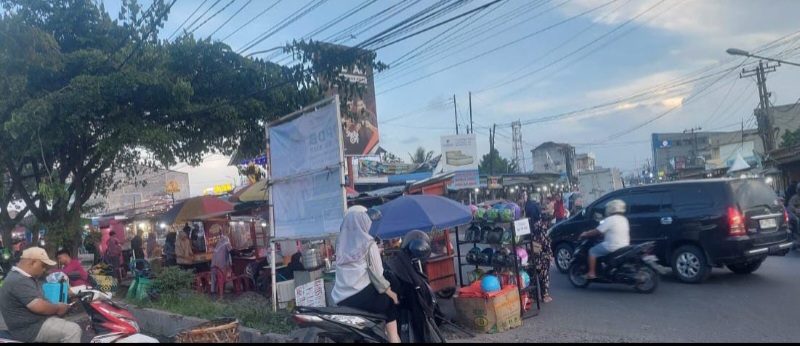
(471,124)
(455,111)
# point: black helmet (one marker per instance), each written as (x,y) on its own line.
(485,233)
(417,244)
(495,236)
(473,234)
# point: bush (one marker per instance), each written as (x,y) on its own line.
(173,280)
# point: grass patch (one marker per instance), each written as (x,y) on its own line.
(251,309)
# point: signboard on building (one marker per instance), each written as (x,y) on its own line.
(465,180)
(307,177)
(460,153)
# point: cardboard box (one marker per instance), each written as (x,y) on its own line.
(491,315)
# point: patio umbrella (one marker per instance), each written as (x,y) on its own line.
(194,207)
(256,192)
(419,212)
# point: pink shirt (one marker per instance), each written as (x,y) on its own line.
(75,266)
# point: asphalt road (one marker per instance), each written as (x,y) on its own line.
(761,307)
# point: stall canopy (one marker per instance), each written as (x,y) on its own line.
(194,207)
(256,192)
(419,212)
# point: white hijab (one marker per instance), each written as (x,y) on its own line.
(354,239)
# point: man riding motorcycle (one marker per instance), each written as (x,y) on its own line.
(616,232)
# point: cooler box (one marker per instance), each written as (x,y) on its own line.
(285,293)
(488,312)
(56,293)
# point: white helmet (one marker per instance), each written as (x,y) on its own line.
(616,206)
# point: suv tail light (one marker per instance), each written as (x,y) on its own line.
(786,215)
(736,222)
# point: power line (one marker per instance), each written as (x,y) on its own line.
(283,24)
(212,16)
(231,18)
(499,48)
(147,35)
(251,20)
(186,20)
(202,15)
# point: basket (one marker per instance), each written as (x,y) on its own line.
(219,331)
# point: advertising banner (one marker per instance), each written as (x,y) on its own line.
(466,180)
(460,153)
(307,174)
(307,143)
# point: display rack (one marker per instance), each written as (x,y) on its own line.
(526,242)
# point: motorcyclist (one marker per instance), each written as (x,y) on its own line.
(616,232)
(794,203)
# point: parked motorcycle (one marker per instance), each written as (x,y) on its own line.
(631,265)
(110,322)
(418,311)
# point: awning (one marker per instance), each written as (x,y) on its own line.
(256,192)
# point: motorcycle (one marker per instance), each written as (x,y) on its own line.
(632,265)
(345,324)
(110,322)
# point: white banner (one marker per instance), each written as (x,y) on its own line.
(307,143)
(307,175)
(459,153)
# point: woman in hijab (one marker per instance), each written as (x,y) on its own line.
(221,257)
(169,248)
(359,271)
(183,252)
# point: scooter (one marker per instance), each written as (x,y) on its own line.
(631,265)
(110,322)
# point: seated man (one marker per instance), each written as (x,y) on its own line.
(71,267)
(28,316)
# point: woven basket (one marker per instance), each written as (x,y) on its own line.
(225,330)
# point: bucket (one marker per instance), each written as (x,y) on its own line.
(55,292)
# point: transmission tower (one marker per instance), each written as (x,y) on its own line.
(519,154)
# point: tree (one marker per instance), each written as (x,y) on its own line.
(501,165)
(790,138)
(421,156)
(83,97)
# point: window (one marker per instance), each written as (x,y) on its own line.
(691,197)
(751,193)
(644,202)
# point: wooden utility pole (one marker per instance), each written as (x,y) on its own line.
(762,115)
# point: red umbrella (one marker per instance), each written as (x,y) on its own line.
(351,192)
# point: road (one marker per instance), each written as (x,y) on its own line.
(761,307)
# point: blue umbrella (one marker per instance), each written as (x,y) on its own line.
(419,212)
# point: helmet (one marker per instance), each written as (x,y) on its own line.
(616,206)
(526,279)
(374,214)
(473,234)
(414,235)
(475,275)
(507,235)
(522,254)
(473,256)
(500,256)
(492,214)
(485,234)
(495,236)
(480,214)
(506,215)
(490,283)
(473,208)
(485,258)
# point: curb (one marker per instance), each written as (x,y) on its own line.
(164,323)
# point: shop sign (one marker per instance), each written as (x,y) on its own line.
(465,180)
(311,294)
(224,188)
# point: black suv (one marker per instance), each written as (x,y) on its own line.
(696,225)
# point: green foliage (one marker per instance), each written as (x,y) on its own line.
(790,138)
(173,280)
(421,156)
(501,164)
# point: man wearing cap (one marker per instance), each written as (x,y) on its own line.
(28,316)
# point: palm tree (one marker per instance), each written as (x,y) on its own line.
(421,156)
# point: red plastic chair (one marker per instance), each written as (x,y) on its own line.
(240,282)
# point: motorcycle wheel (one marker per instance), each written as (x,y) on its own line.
(577,274)
(647,280)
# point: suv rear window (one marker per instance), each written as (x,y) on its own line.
(753,193)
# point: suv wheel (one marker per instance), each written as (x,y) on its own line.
(689,264)
(563,257)
(746,268)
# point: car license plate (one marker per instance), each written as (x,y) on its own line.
(767,223)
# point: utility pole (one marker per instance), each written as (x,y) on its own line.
(471,124)
(491,149)
(455,111)
(694,153)
(762,115)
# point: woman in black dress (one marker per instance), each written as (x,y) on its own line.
(543,261)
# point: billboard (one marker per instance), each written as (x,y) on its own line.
(361,130)
(460,153)
(305,150)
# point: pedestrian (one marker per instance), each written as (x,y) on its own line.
(169,249)
(113,254)
(137,245)
(532,211)
(187,229)
(548,210)
(543,260)
(183,252)
(151,245)
(221,258)
(559,210)
(72,266)
(790,192)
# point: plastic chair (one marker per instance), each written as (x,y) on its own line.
(240,282)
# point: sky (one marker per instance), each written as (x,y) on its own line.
(538,62)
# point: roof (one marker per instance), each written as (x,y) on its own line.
(547,145)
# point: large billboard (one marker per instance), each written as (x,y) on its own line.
(306,173)
(460,155)
(361,126)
